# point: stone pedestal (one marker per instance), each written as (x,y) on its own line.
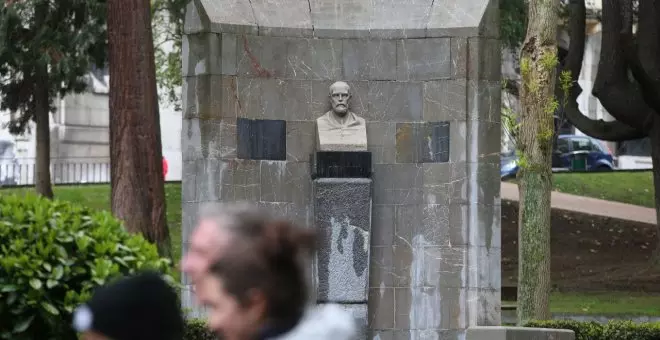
(518,333)
(342,213)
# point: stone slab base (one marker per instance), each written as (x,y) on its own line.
(342,213)
(518,333)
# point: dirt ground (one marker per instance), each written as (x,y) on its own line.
(589,253)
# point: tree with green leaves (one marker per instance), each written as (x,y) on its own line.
(167,25)
(46,50)
(534,138)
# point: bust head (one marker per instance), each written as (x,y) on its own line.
(340,94)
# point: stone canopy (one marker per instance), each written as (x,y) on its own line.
(344,18)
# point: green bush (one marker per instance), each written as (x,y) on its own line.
(614,330)
(52,255)
(196,330)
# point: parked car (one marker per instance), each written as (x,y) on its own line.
(572,152)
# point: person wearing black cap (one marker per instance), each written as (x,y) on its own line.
(139,307)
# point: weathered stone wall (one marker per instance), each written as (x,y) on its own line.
(425,76)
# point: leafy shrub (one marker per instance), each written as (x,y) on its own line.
(614,330)
(196,330)
(52,255)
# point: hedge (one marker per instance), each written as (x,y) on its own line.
(196,330)
(53,254)
(614,330)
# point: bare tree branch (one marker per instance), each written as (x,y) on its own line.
(611,131)
(618,95)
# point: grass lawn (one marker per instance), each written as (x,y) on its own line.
(595,185)
(626,187)
(605,303)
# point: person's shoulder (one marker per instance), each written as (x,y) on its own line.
(358,118)
(324,322)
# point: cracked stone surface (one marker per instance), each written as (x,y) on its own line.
(425,76)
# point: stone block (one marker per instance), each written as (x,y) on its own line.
(423,59)
(316,59)
(299,186)
(246,180)
(189,219)
(443,309)
(488,141)
(261,57)
(444,100)
(188,175)
(381,141)
(229,16)
(300,140)
(342,212)
(484,307)
(369,59)
(381,308)
(199,54)
(399,19)
(422,142)
(484,100)
(445,183)
(490,21)
(192,22)
(209,97)
(297,100)
(455,18)
(332,19)
(214,180)
(394,101)
(518,333)
(381,267)
(488,227)
(382,229)
(485,55)
(274,182)
(458,142)
(208,139)
(261,139)
(484,268)
(398,184)
(459,58)
(487,178)
(294,21)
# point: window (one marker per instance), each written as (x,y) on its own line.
(581,144)
(562,145)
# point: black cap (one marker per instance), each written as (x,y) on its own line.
(143,307)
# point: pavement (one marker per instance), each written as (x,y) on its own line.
(587,205)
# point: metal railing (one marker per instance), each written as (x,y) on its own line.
(21,172)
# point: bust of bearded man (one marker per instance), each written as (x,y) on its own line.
(340,129)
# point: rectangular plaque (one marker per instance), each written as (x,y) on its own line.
(341,164)
(261,139)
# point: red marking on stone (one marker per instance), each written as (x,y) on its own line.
(261,72)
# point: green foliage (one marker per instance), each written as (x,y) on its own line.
(614,330)
(196,330)
(167,26)
(47,43)
(513,22)
(549,60)
(52,255)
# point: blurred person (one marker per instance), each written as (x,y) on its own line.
(249,273)
(139,307)
(165,168)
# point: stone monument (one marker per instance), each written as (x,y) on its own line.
(342,206)
(425,76)
(340,129)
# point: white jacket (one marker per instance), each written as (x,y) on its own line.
(324,322)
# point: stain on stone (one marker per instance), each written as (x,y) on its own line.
(343,234)
(254,62)
(360,253)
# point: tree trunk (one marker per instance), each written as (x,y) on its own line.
(42,181)
(655,156)
(138,196)
(538,68)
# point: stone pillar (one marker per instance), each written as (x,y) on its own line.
(425,76)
